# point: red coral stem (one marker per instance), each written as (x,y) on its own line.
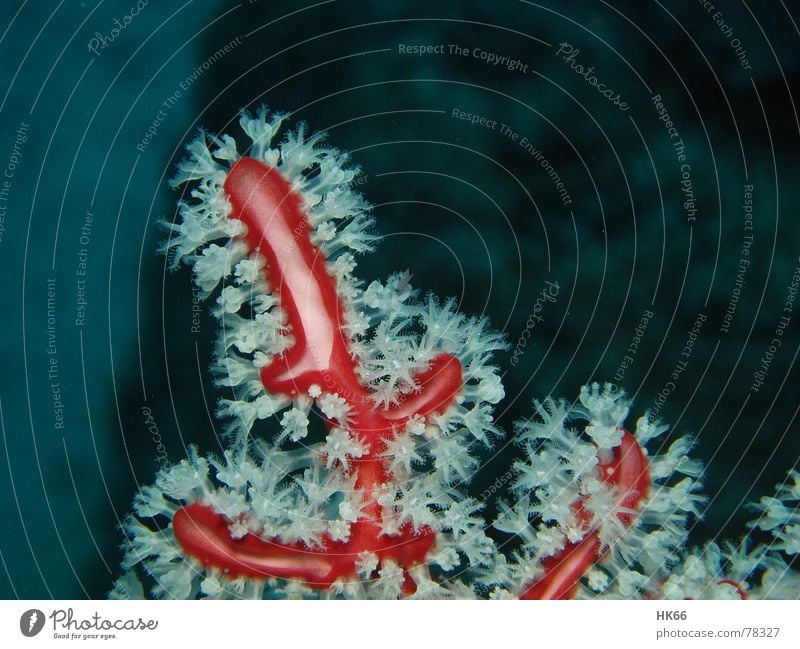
(628,472)
(278,229)
(204,534)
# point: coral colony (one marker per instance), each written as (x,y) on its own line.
(378,506)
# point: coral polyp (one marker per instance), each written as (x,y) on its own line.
(404,387)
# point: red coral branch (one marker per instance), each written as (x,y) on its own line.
(278,229)
(627,472)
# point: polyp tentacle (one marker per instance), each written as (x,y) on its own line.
(277,228)
(405,387)
(626,473)
(319,359)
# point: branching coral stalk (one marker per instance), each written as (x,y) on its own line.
(404,387)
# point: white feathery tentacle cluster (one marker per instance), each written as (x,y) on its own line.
(292,489)
(562,468)
(277,481)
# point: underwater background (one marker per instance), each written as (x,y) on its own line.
(499,165)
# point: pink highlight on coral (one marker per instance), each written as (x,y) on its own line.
(278,229)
